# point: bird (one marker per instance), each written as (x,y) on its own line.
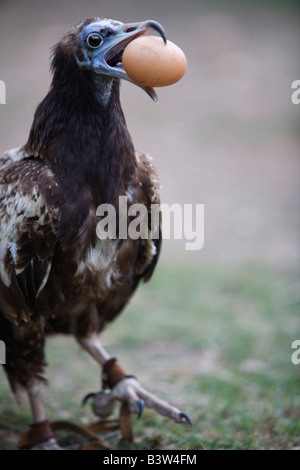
(56,274)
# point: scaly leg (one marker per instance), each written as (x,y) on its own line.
(25,362)
(119,386)
(40,435)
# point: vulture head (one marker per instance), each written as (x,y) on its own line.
(97,45)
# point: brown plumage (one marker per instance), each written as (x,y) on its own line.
(56,275)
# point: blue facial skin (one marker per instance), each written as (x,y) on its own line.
(115,36)
(112,34)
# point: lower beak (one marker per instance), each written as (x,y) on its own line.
(115,48)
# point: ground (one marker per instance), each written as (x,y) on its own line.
(213,330)
(225,358)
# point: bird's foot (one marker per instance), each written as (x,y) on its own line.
(39,437)
(127,389)
(51,444)
(130,391)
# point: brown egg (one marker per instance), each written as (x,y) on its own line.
(150,62)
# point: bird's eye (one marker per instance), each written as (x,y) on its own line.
(94,40)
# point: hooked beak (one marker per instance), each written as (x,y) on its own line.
(115,48)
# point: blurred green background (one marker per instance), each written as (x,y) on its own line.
(213,330)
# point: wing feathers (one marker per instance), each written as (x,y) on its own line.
(27,234)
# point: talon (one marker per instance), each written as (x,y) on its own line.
(102,403)
(186,418)
(140,404)
(87,397)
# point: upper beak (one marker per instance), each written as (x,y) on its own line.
(114,49)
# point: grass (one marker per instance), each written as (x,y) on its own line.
(216,342)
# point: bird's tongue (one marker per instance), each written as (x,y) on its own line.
(114,57)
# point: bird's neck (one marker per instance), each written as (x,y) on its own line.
(103,90)
(80,131)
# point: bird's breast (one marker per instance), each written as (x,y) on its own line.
(98,271)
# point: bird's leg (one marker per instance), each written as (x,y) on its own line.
(25,363)
(36,403)
(94,347)
(40,435)
(125,388)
